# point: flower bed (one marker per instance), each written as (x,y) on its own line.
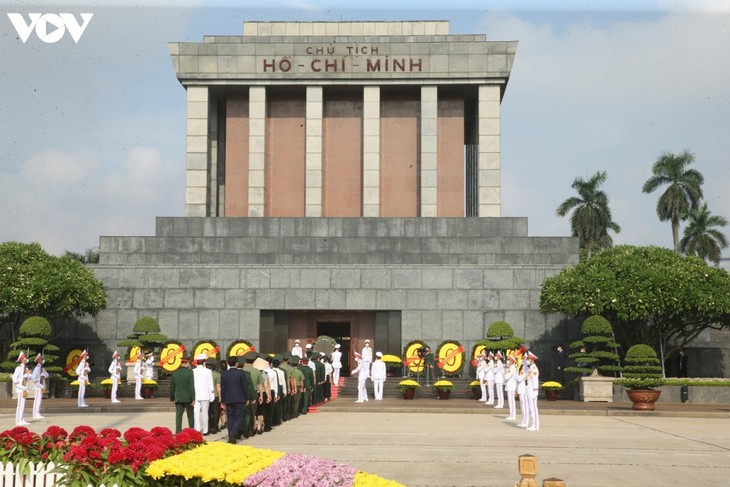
(227,465)
(87,457)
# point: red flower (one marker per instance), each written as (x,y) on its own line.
(56,433)
(80,432)
(110,433)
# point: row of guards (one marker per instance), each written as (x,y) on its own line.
(449,357)
(171,355)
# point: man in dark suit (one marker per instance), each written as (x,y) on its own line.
(234,394)
(182,393)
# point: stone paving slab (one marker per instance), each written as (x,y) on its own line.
(466,444)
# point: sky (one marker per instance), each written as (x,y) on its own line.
(92,133)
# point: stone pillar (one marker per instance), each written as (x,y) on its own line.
(313,157)
(196,166)
(257,150)
(429,151)
(489,151)
(371,151)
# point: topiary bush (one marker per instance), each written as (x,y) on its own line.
(501,336)
(146,335)
(599,357)
(643,368)
(33,338)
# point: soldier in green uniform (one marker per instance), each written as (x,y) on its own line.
(285,366)
(258,381)
(297,386)
(182,393)
(320,378)
(308,385)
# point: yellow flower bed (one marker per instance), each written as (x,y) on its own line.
(363,479)
(392,359)
(409,383)
(443,383)
(551,384)
(215,461)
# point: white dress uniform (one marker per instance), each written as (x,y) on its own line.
(336,365)
(499,382)
(367,355)
(489,376)
(138,374)
(115,373)
(20,375)
(378,374)
(149,367)
(82,370)
(522,392)
(533,388)
(362,376)
(297,350)
(39,377)
(204,394)
(510,386)
(482,376)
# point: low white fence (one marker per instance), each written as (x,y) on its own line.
(29,475)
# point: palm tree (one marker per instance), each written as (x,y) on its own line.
(684,192)
(702,237)
(591,218)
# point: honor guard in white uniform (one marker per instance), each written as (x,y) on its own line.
(378,373)
(522,393)
(481,367)
(367,355)
(336,365)
(39,377)
(138,375)
(149,367)
(533,388)
(510,386)
(204,393)
(20,384)
(82,371)
(115,372)
(297,349)
(362,377)
(499,379)
(489,376)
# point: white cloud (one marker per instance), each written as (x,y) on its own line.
(611,93)
(65,200)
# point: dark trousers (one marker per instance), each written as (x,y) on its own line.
(234,411)
(214,415)
(180,408)
(304,407)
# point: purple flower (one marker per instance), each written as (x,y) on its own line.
(297,470)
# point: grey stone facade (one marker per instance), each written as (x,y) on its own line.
(211,278)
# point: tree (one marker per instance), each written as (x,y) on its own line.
(596,350)
(91,256)
(701,236)
(146,334)
(650,295)
(591,218)
(684,192)
(33,282)
(34,337)
(501,336)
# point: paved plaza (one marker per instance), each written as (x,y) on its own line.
(460,443)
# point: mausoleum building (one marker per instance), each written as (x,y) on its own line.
(342,178)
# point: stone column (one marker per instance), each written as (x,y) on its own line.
(371,151)
(489,152)
(429,148)
(196,167)
(257,150)
(313,157)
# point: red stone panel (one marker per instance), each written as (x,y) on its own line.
(236,165)
(285,152)
(450,155)
(342,154)
(400,120)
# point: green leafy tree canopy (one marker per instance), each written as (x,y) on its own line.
(32,282)
(595,353)
(649,294)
